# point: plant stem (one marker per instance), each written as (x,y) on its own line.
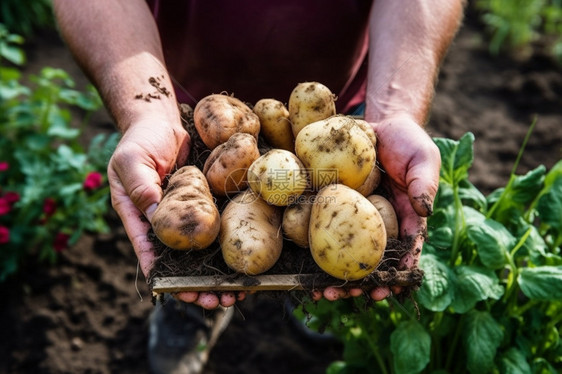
(453,345)
(459,224)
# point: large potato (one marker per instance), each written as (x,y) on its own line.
(187,217)
(373,180)
(217,117)
(310,102)
(278,176)
(346,235)
(226,168)
(296,218)
(388,214)
(336,150)
(275,125)
(250,235)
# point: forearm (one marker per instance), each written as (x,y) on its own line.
(118,46)
(408,40)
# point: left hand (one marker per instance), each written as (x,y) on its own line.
(411,162)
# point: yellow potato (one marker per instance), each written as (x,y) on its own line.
(250,235)
(278,177)
(275,126)
(226,168)
(310,102)
(346,235)
(217,117)
(388,214)
(187,217)
(372,182)
(336,150)
(366,126)
(296,218)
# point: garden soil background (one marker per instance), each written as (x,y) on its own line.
(89,312)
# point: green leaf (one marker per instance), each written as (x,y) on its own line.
(473,284)
(542,282)
(550,205)
(435,292)
(513,361)
(493,242)
(526,187)
(456,158)
(12,53)
(410,345)
(471,196)
(482,336)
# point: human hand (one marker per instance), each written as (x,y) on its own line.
(141,161)
(411,163)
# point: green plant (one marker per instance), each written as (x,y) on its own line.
(514,24)
(491,300)
(51,188)
(25,17)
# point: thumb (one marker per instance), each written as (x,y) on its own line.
(423,180)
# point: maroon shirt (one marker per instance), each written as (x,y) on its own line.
(255,49)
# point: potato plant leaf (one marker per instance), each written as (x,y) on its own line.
(493,242)
(473,284)
(513,362)
(482,335)
(456,158)
(436,292)
(410,344)
(542,282)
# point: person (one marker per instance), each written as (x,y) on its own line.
(145,56)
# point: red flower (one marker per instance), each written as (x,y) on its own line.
(12,197)
(49,206)
(93,180)
(4,166)
(61,242)
(5,206)
(4,234)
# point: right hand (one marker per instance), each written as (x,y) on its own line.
(148,151)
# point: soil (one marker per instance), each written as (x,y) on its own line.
(88,313)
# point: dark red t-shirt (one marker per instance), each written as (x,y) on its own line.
(255,49)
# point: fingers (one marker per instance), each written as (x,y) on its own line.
(422,179)
(209,300)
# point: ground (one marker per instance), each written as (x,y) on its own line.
(88,313)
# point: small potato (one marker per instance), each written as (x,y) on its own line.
(336,150)
(372,182)
(388,214)
(187,217)
(310,102)
(250,236)
(217,117)
(275,125)
(346,235)
(278,177)
(366,126)
(226,168)
(296,218)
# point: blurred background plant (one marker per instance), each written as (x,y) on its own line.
(25,17)
(52,189)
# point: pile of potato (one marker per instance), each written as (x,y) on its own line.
(313,187)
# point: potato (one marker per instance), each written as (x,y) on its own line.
(310,102)
(336,150)
(217,117)
(226,168)
(346,235)
(366,126)
(187,217)
(278,177)
(372,181)
(296,218)
(275,126)
(250,235)
(388,214)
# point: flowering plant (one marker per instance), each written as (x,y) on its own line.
(52,190)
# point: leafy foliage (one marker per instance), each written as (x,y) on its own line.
(51,189)
(25,17)
(491,300)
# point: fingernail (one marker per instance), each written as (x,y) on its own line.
(150,211)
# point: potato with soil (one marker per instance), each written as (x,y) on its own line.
(187,217)
(310,102)
(296,219)
(371,183)
(226,168)
(278,176)
(336,150)
(217,117)
(275,125)
(250,236)
(346,235)
(388,214)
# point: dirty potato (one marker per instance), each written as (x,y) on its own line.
(346,235)
(388,214)
(275,125)
(226,168)
(217,117)
(310,102)
(296,218)
(250,236)
(187,217)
